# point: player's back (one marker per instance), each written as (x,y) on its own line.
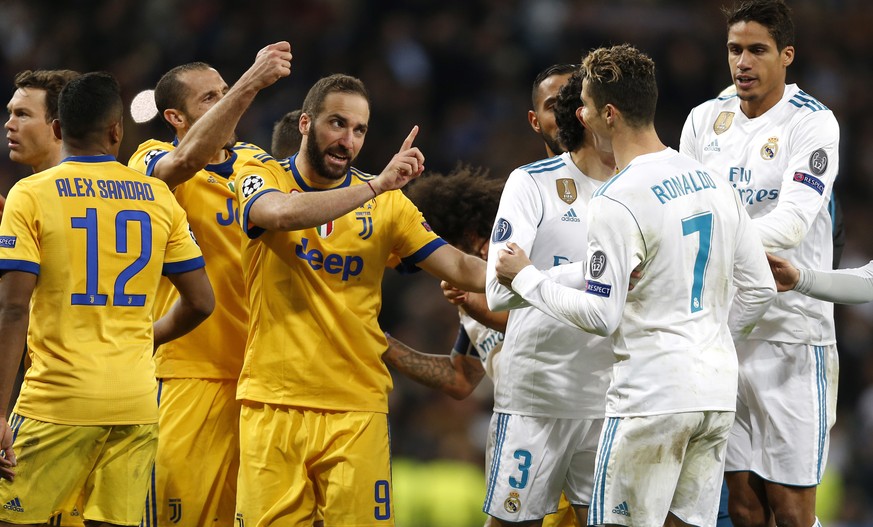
(673,332)
(100,234)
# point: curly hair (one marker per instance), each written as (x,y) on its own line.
(459,206)
(570,130)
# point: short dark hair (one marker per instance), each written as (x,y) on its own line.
(336,83)
(170,91)
(775,15)
(286,135)
(458,206)
(554,69)
(88,104)
(624,77)
(571,133)
(50,81)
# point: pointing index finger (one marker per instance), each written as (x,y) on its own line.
(407,143)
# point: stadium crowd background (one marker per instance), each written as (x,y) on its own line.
(463,72)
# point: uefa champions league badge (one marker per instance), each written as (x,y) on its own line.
(818,162)
(251,184)
(512,503)
(502,231)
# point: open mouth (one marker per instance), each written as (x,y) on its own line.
(744,81)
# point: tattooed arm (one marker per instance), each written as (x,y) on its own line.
(456,374)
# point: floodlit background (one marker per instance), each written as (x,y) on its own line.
(463,72)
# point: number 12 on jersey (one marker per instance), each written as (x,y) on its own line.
(91,296)
(701,224)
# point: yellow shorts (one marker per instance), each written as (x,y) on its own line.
(194,481)
(298,465)
(106,467)
(565,516)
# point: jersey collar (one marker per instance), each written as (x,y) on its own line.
(103,158)
(223,169)
(292,163)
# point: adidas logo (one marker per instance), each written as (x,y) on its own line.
(622,509)
(14,505)
(712,147)
(570,216)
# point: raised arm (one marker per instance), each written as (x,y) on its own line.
(301,210)
(211,132)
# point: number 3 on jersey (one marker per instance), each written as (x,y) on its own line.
(91,297)
(701,224)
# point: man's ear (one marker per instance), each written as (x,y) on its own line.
(534,121)
(56,129)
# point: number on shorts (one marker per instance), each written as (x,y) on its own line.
(702,224)
(523,456)
(382,511)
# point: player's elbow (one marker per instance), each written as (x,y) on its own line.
(459,392)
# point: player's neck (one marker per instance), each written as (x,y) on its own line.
(307,170)
(757,107)
(70,149)
(631,143)
(49,161)
(593,163)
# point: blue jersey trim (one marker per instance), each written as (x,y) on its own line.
(542,162)
(423,253)
(150,167)
(225,168)
(19,265)
(184,266)
(610,181)
(90,159)
(292,165)
(254,232)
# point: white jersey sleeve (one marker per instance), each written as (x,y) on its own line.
(518,215)
(750,272)
(598,308)
(807,182)
(842,286)
(688,143)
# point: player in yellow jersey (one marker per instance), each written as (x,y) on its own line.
(313,428)
(82,246)
(198,452)
(32,108)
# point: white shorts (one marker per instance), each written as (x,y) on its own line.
(650,466)
(786,406)
(531,459)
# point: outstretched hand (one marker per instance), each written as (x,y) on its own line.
(510,261)
(271,64)
(406,165)
(785,274)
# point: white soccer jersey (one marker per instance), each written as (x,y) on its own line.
(783,165)
(546,368)
(692,240)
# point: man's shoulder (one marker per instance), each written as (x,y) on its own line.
(549,164)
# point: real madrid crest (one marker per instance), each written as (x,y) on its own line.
(723,122)
(566,190)
(768,151)
(512,503)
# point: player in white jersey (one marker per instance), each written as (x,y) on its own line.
(551,378)
(671,402)
(778,147)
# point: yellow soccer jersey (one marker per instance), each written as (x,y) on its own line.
(215,349)
(98,235)
(315,295)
